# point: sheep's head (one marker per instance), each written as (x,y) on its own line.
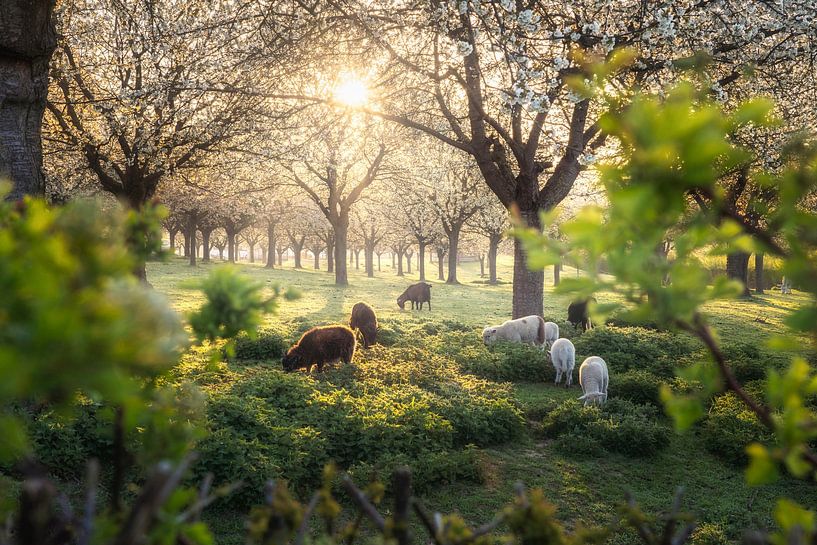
(489,335)
(291,361)
(594,398)
(401,302)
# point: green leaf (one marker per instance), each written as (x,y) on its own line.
(762,468)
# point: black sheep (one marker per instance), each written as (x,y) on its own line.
(364,319)
(578,315)
(416,293)
(321,345)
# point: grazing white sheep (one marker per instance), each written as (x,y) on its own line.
(563,357)
(594,378)
(530,330)
(551,333)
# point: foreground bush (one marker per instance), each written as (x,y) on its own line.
(730,427)
(619,426)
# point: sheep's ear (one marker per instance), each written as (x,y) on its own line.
(493,331)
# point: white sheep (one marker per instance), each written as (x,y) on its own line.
(593,378)
(551,333)
(530,329)
(563,357)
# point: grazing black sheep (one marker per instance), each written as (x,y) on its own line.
(578,315)
(364,319)
(416,293)
(321,345)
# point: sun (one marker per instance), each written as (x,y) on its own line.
(352,92)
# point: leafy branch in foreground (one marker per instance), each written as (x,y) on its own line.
(676,148)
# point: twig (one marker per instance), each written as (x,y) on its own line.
(643,530)
(194,512)
(89,512)
(360,499)
(422,514)
(402,500)
(672,517)
(299,537)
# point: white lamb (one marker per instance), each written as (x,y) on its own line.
(530,330)
(551,333)
(563,356)
(593,378)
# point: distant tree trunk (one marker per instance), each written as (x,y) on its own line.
(186,245)
(357,258)
(557,268)
(368,258)
(27,41)
(421,259)
(341,236)
(252,251)
(171,234)
(737,268)
(393,264)
(400,253)
(270,263)
(205,242)
(440,257)
(351,257)
(316,255)
(330,254)
(191,229)
(280,252)
(231,246)
(481,265)
(493,250)
(453,244)
(408,262)
(297,247)
(378,262)
(221,252)
(759,273)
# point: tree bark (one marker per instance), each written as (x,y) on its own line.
(280,252)
(357,258)
(378,262)
(482,265)
(252,252)
(528,286)
(297,247)
(191,229)
(341,234)
(759,273)
(408,262)
(400,262)
(330,254)
(27,41)
(440,270)
(368,257)
(421,259)
(493,249)
(316,255)
(557,269)
(231,257)
(453,244)
(205,242)
(737,268)
(270,264)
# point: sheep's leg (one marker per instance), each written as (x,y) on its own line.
(558,376)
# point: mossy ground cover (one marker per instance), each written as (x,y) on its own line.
(472,421)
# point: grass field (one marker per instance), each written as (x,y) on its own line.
(585,488)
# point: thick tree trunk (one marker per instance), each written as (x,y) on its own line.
(341,234)
(316,255)
(27,41)
(759,273)
(231,249)
(252,252)
(205,242)
(296,250)
(440,269)
(368,257)
(408,262)
(270,263)
(330,256)
(400,263)
(453,244)
(421,260)
(493,248)
(737,268)
(528,286)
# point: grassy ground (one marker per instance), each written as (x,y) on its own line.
(585,489)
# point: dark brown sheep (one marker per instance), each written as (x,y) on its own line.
(578,315)
(416,293)
(321,345)
(364,319)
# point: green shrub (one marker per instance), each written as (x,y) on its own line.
(626,348)
(637,386)
(729,427)
(506,362)
(266,345)
(708,533)
(619,426)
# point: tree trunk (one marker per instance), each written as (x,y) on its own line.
(400,262)
(330,255)
(759,273)
(557,269)
(421,260)
(186,246)
(252,252)
(205,242)
(231,246)
(171,235)
(528,286)
(368,257)
(493,248)
(191,228)
(440,269)
(296,249)
(341,234)
(357,258)
(270,263)
(737,268)
(453,244)
(316,259)
(482,265)
(408,262)
(27,41)
(378,262)
(393,264)
(221,253)
(280,253)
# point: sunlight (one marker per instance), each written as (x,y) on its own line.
(352,92)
